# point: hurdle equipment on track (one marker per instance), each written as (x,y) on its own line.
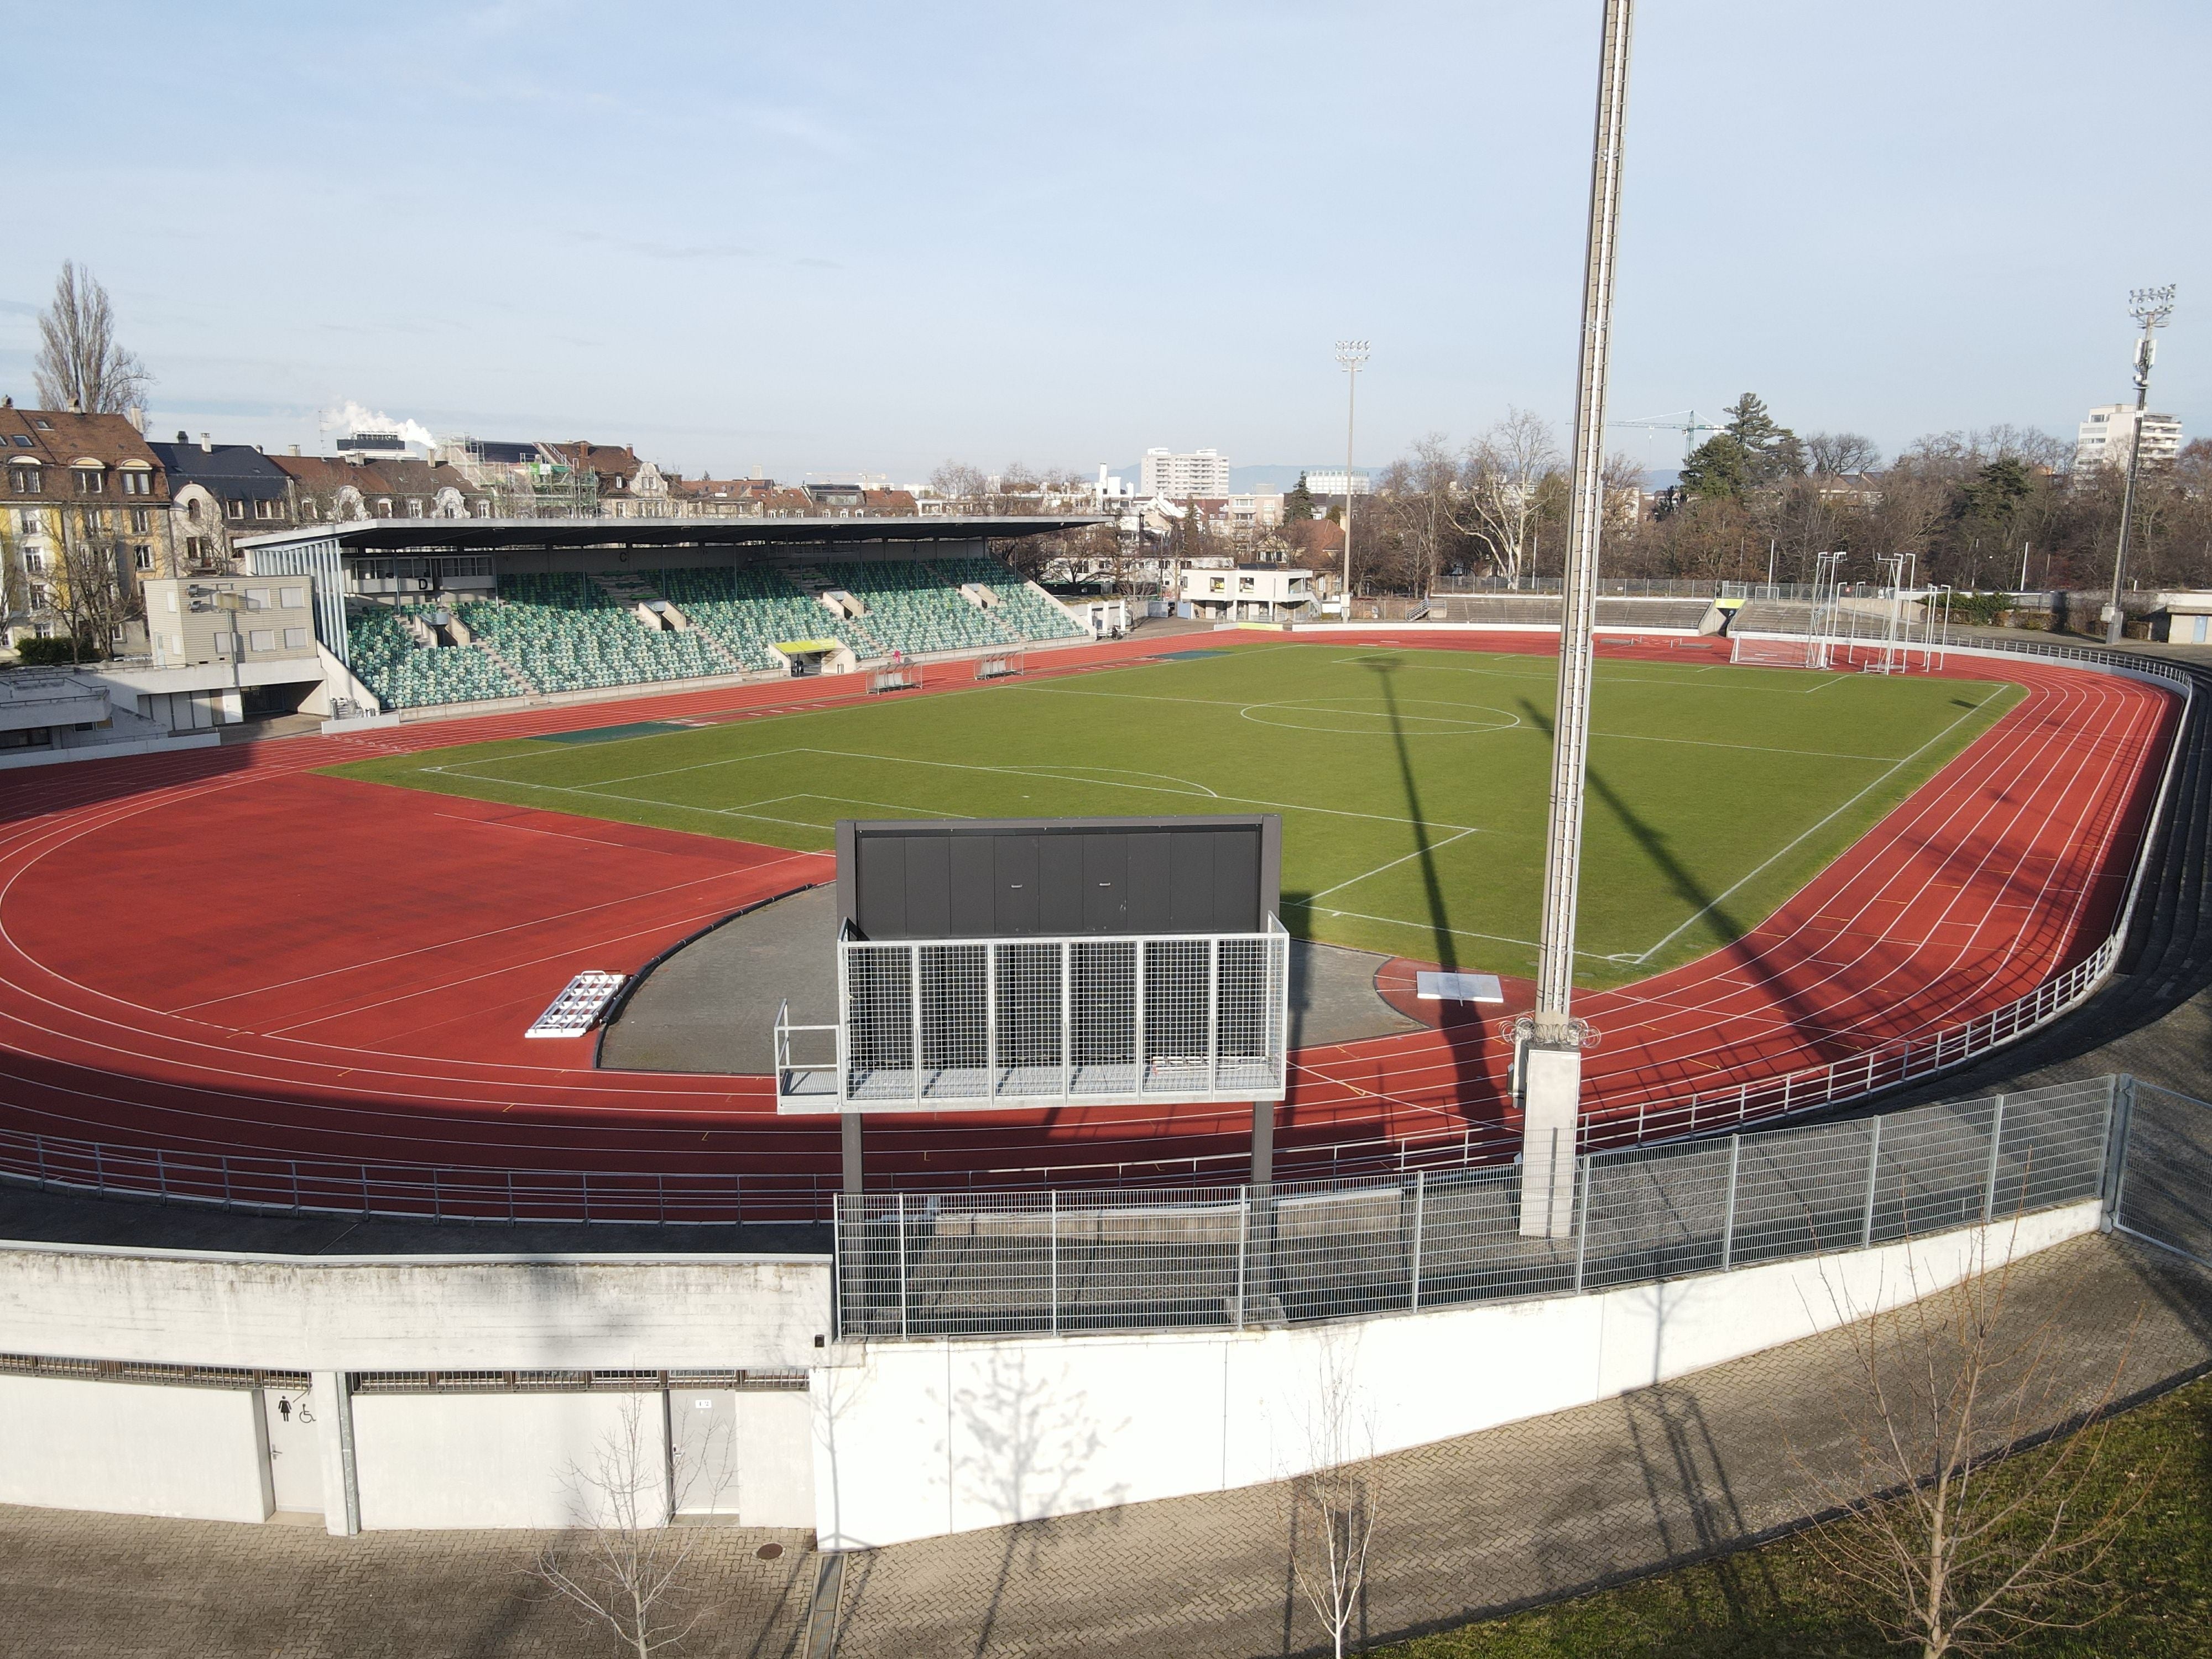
(578,1008)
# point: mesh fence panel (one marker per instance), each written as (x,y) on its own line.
(1802,1196)
(1653,1212)
(2166,1174)
(2051,1147)
(1010,1263)
(1931,1169)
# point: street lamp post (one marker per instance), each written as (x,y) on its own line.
(1351,356)
(2150,307)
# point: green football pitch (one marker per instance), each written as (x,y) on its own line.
(1412,784)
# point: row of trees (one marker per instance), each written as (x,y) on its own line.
(1974,509)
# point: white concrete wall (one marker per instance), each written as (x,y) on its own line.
(132,1449)
(913,1440)
(774,1462)
(400,1313)
(506,1460)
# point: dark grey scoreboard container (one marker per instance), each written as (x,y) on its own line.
(906,878)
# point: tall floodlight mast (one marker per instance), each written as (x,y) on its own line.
(1551,1044)
(2150,307)
(1350,355)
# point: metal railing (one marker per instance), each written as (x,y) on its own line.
(911,1266)
(1100,1019)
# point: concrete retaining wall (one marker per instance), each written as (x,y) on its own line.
(402,1313)
(913,1440)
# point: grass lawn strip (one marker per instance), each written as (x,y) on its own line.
(1781,1599)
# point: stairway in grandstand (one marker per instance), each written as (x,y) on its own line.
(631,591)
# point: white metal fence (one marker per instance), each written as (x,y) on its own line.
(938,1025)
(915,1265)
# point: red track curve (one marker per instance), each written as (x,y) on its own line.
(220,951)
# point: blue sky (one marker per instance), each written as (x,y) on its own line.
(836,238)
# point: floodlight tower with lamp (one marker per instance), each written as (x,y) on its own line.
(1550,1043)
(1351,357)
(2150,307)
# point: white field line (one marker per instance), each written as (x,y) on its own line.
(1417,852)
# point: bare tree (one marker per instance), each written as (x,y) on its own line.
(1950,1555)
(89,593)
(1501,481)
(955,481)
(79,365)
(1335,1503)
(627,1569)
(1842,451)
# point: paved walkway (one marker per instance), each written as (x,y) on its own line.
(1492,1520)
(1479,1524)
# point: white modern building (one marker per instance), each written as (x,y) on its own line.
(1249,593)
(2105,435)
(1113,493)
(1329,481)
(1203,472)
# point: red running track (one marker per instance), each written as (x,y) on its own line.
(220,951)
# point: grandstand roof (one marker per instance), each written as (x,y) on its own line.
(498,535)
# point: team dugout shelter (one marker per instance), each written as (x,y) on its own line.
(430,613)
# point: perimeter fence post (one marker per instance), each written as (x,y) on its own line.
(837,1264)
(1420,1200)
(224,1160)
(1588,1170)
(661,1198)
(587,1194)
(1243,1246)
(913,1017)
(364,1190)
(162,1174)
(2119,1128)
(1873,1160)
(38,1150)
(1728,1222)
(1053,1200)
(1989,1181)
(991,1022)
(437,1203)
(901,1255)
(295,1163)
(510,1198)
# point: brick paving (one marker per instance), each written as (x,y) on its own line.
(75,1585)
(1494,1521)
(1475,1525)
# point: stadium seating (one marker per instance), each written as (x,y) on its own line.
(406,675)
(1021,608)
(749,608)
(911,608)
(563,631)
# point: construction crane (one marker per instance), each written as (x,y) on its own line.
(1672,422)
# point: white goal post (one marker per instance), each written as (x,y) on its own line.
(1780,653)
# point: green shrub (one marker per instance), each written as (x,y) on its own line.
(35,653)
